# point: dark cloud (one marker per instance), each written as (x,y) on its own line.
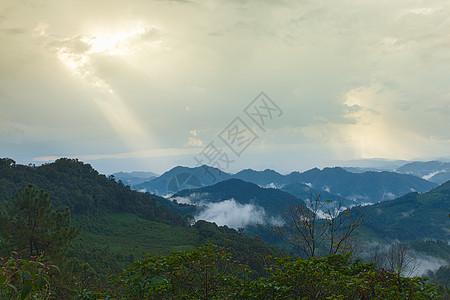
(13,31)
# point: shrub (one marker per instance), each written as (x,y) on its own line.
(24,278)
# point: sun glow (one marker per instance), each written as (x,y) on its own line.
(119,44)
(78,54)
(375,130)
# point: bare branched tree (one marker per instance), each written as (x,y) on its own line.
(320,228)
(398,258)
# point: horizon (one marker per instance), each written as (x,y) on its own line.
(375,164)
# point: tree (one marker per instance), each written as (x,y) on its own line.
(397,258)
(211,272)
(320,228)
(400,258)
(335,277)
(32,226)
(208,272)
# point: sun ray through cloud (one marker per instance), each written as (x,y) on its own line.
(77,54)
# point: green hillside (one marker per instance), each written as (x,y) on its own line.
(86,192)
(413,217)
(118,224)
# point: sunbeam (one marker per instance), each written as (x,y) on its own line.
(78,59)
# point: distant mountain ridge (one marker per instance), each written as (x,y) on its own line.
(366,187)
(304,191)
(180,178)
(357,188)
(274,201)
(434,171)
(134,178)
(261,178)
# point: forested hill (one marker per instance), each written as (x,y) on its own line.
(77,185)
(412,217)
(118,224)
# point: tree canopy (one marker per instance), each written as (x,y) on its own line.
(33,227)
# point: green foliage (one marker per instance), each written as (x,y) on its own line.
(110,242)
(249,251)
(24,278)
(338,277)
(119,225)
(207,272)
(32,226)
(211,272)
(86,192)
(267,234)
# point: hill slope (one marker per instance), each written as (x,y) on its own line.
(86,192)
(273,201)
(118,224)
(413,217)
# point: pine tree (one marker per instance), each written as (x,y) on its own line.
(32,226)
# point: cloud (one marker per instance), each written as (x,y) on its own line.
(182,200)
(427,263)
(416,263)
(355,79)
(232,214)
(158,153)
(228,212)
(378,122)
(193,141)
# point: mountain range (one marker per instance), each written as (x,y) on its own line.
(134,178)
(273,201)
(411,217)
(180,178)
(355,188)
(434,171)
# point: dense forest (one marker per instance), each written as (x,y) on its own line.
(95,238)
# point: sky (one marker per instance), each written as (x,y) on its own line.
(147,85)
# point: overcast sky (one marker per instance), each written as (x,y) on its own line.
(147,85)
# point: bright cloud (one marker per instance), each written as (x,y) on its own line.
(232,214)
